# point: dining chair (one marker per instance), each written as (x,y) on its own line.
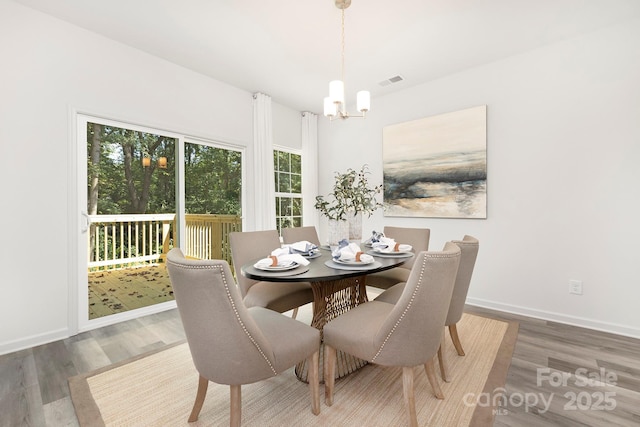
(278,296)
(230,343)
(469,246)
(298,234)
(418,238)
(404,334)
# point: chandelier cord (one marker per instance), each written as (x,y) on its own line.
(342,46)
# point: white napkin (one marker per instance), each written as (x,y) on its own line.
(349,253)
(388,245)
(375,237)
(283,257)
(303,246)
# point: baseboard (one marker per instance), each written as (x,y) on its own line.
(33,340)
(582,322)
(60,334)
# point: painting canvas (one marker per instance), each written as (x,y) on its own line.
(437,166)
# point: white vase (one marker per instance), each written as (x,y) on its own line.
(338,230)
(355,226)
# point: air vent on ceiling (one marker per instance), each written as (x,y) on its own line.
(391,80)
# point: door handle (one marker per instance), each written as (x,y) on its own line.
(87,222)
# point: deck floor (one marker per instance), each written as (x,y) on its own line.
(117,291)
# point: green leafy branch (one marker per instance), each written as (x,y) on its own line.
(351,194)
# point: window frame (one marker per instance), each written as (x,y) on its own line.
(288,195)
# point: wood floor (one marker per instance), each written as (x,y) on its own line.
(34,389)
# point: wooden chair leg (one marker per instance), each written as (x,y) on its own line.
(409,396)
(314,382)
(453,331)
(295,313)
(441,359)
(433,380)
(203,384)
(235,418)
(329,373)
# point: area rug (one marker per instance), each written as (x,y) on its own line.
(159,389)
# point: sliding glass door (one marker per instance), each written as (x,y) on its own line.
(145,192)
(213,199)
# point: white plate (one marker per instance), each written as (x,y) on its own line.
(280,267)
(360,266)
(390,254)
(353,262)
(314,255)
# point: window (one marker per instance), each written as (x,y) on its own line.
(288,177)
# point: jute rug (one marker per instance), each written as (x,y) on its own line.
(159,390)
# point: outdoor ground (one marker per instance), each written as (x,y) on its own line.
(116,291)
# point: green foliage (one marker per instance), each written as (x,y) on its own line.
(213,180)
(121,184)
(351,193)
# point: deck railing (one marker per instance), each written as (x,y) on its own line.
(207,236)
(122,241)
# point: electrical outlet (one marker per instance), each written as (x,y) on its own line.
(575,287)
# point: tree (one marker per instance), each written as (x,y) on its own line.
(213,180)
(117,174)
(94,132)
(120,184)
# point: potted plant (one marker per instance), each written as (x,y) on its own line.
(351,197)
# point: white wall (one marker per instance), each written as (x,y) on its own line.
(287,126)
(563,132)
(49,68)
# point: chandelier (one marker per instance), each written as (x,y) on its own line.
(334,104)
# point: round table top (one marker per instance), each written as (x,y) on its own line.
(318,270)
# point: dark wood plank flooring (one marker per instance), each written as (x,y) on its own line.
(34,389)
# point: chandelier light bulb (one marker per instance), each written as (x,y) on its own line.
(329,107)
(336,91)
(363,101)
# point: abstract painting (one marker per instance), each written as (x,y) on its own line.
(437,166)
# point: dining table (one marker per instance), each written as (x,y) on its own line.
(337,287)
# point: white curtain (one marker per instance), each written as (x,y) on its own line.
(310,168)
(264,186)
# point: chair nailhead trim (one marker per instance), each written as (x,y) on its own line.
(235,310)
(413,295)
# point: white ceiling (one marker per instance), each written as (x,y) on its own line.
(290,50)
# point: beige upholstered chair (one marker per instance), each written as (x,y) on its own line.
(416,237)
(468,253)
(278,296)
(406,334)
(298,234)
(230,343)
(469,247)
